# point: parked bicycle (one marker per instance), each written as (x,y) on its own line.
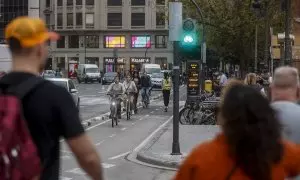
(201,111)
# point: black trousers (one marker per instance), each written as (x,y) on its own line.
(166,95)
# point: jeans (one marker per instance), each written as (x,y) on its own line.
(145,93)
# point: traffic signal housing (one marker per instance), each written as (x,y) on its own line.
(189,38)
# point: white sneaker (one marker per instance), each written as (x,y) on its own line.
(132,112)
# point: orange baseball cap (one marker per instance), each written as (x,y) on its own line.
(29,31)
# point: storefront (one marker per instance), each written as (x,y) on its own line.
(72,67)
(112,64)
(163,62)
(136,63)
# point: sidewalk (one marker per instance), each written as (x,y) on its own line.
(157,151)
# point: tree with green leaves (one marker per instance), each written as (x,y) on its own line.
(230,27)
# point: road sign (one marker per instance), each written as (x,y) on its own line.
(193,81)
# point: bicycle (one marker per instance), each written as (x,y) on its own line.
(113,108)
(129,104)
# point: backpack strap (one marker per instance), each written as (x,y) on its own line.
(25,87)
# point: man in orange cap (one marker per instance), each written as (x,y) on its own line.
(49,110)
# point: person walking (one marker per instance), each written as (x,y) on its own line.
(251,80)
(249,146)
(166,89)
(49,110)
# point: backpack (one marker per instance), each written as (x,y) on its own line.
(19,159)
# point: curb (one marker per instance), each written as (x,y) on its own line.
(150,158)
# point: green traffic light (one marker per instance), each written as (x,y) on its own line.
(188,39)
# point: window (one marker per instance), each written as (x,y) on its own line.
(61,42)
(137,19)
(114,42)
(140,42)
(78,19)
(70,19)
(47,19)
(59,2)
(71,85)
(161,41)
(48,2)
(73,41)
(78,2)
(69,2)
(160,19)
(114,19)
(160,2)
(137,2)
(89,2)
(92,60)
(114,2)
(89,20)
(59,20)
(92,41)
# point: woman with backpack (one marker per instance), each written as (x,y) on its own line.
(249,146)
(166,89)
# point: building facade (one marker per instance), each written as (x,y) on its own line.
(117,35)
(12,9)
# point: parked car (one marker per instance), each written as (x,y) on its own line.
(49,74)
(109,77)
(70,86)
(156,80)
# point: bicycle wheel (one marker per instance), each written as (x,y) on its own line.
(128,109)
(186,116)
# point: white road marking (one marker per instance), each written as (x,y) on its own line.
(64,151)
(83,96)
(140,146)
(123,129)
(97,144)
(65,178)
(65,157)
(132,123)
(98,124)
(141,119)
(113,135)
(76,171)
(106,166)
(156,109)
(151,112)
(147,115)
(119,155)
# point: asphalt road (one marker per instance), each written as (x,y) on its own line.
(114,144)
(94,101)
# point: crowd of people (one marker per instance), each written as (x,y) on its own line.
(260,129)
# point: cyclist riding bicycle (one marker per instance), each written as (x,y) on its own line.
(145,86)
(130,90)
(117,88)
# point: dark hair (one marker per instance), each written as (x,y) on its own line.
(16,48)
(252,131)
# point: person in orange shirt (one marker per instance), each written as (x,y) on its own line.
(249,147)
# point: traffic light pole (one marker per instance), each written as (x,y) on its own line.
(176,64)
(203,44)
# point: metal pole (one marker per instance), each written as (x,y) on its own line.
(255,53)
(282,54)
(175,144)
(202,61)
(287,40)
(176,66)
